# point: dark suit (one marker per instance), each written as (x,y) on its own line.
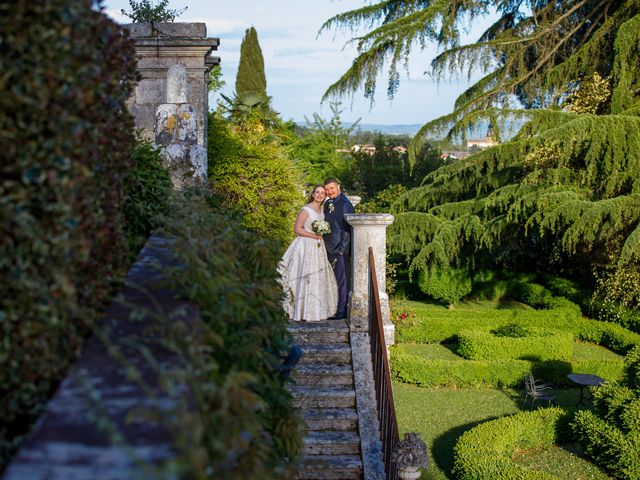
(338,244)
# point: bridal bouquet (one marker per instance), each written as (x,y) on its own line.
(320,227)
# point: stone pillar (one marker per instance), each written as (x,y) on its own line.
(158,47)
(176,128)
(369,230)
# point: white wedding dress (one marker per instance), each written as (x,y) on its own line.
(310,288)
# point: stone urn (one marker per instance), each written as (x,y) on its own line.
(409,455)
(409,473)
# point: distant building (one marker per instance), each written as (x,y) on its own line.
(371,149)
(485,142)
(454,155)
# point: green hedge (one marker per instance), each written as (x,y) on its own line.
(610,433)
(439,326)
(539,345)
(411,368)
(614,450)
(247,425)
(66,148)
(485,451)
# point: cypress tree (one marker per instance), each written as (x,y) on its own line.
(251,79)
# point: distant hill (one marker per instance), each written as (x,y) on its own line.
(388,129)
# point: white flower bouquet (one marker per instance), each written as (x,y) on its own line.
(320,227)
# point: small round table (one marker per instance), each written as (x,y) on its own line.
(585,380)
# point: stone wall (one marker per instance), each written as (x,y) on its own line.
(113,417)
(158,47)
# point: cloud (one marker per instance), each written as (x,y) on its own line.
(220,26)
(296,51)
(116,15)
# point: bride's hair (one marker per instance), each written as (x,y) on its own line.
(310,199)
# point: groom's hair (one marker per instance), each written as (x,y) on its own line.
(331,180)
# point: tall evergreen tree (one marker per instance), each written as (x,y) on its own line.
(565,192)
(251,79)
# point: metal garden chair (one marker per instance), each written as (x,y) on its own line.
(536,390)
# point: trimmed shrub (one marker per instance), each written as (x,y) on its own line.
(448,285)
(611,433)
(413,369)
(66,148)
(563,287)
(485,451)
(632,369)
(612,449)
(540,344)
(439,327)
(532,294)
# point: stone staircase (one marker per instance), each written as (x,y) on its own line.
(324,390)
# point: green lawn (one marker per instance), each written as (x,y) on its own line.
(565,462)
(442,414)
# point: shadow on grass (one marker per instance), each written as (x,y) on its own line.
(452,346)
(444,444)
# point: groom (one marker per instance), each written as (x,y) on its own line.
(338,242)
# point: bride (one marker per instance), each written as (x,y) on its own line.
(311,293)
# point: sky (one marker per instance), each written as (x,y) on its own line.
(300,65)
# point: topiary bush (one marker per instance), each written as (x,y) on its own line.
(539,344)
(532,294)
(413,369)
(449,285)
(439,327)
(484,452)
(66,148)
(611,433)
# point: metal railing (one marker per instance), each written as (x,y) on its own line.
(381,375)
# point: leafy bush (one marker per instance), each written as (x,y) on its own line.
(614,451)
(632,369)
(449,285)
(532,294)
(611,433)
(247,425)
(563,287)
(485,451)
(511,330)
(539,345)
(617,296)
(148,191)
(67,139)
(250,170)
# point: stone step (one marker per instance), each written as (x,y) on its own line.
(331,443)
(330,331)
(344,419)
(338,467)
(322,397)
(323,375)
(326,354)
